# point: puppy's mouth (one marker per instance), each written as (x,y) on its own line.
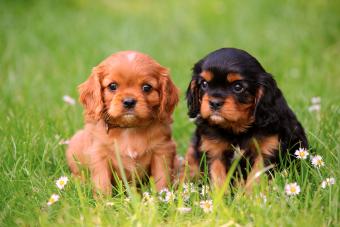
(128,116)
(216,118)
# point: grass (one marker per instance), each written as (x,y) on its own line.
(49,47)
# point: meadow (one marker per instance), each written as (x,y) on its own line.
(49,47)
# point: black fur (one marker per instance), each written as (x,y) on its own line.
(272,114)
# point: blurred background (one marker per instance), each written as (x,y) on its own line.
(49,47)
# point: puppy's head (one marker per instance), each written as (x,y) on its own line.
(128,89)
(227,89)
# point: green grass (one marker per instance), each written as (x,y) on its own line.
(47,48)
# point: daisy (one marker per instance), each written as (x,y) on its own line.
(292,189)
(69,100)
(109,204)
(64,142)
(314,108)
(54,198)
(207,206)
(61,182)
(184,209)
(316,100)
(317,161)
(205,190)
(147,198)
(301,153)
(189,187)
(328,182)
(166,196)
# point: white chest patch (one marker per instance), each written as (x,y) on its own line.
(132,154)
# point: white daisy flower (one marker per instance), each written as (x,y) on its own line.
(301,153)
(316,100)
(147,198)
(109,204)
(292,189)
(166,196)
(205,190)
(69,100)
(54,198)
(170,197)
(317,161)
(314,108)
(64,142)
(61,182)
(328,182)
(184,209)
(207,206)
(189,187)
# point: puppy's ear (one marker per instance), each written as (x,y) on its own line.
(168,95)
(91,96)
(268,101)
(194,94)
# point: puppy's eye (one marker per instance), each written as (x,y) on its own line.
(238,88)
(204,85)
(146,87)
(113,86)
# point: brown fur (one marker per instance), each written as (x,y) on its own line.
(141,137)
(214,148)
(232,77)
(267,147)
(233,115)
(207,75)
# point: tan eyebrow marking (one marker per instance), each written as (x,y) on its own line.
(231,77)
(208,76)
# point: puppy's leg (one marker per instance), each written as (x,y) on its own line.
(162,165)
(75,153)
(218,172)
(101,177)
(252,176)
(265,147)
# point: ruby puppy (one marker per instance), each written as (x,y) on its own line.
(128,100)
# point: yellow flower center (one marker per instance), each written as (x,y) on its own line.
(61,182)
(293,189)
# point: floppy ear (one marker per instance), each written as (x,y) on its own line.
(168,96)
(194,94)
(91,96)
(268,101)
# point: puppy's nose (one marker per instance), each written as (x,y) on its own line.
(129,103)
(215,104)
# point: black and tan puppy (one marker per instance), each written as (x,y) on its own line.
(237,105)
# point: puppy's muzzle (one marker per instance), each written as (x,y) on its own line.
(129,103)
(215,104)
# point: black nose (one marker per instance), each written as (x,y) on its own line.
(129,103)
(215,104)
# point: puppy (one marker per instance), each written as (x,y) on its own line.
(128,100)
(238,110)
